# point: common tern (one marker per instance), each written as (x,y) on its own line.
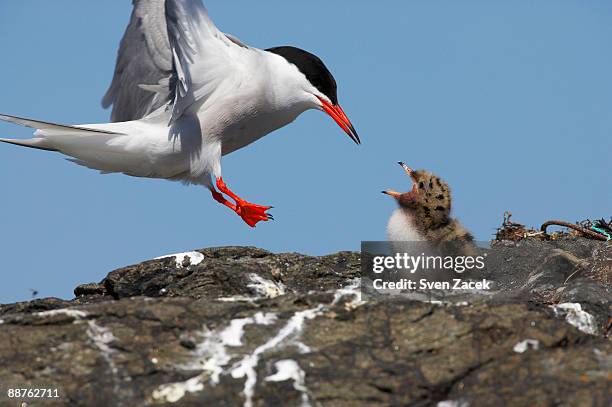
(184,94)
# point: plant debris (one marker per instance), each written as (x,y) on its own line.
(513,231)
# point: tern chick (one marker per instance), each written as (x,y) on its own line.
(424,213)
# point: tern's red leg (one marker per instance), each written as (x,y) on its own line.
(219,198)
(249,212)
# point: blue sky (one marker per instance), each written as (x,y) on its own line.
(511,102)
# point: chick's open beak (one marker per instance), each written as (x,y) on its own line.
(415,189)
(392,193)
(413,193)
(408,170)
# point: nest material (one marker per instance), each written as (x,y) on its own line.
(514,231)
(598,268)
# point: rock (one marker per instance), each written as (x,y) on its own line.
(91,289)
(233,271)
(243,326)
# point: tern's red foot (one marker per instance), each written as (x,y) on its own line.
(249,212)
(252,213)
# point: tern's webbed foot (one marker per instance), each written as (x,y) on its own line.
(252,213)
(249,212)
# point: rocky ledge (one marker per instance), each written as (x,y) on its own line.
(242,326)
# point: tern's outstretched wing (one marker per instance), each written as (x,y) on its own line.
(171,52)
(144,58)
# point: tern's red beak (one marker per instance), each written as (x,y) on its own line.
(336,113)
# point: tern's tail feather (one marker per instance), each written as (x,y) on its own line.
(60,137)
(46,131)
(40,143)
(134,148)
(43,143)
(30,143)
(54,127)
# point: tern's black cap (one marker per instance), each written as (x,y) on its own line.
(313,68)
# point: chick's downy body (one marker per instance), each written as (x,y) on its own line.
(424,213)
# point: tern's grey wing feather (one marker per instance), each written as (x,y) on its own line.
(170,52)
(204,57)
(144,58)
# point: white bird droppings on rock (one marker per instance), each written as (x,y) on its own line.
(195,258)
(211,357)
(237,298)
(266,288)
(574,315)
(101,337)
(246,367)
(522,346)
(75,313)
(453,403)
(173,392)
(352,289)
(288,369)
(232,335)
